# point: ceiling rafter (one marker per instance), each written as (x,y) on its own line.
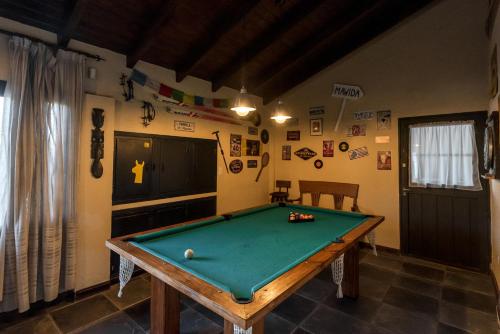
(71,24)
(229,17)
(337,47)
(264,40)
(146,40)
(341,21)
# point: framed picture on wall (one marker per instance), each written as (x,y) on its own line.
(316,126)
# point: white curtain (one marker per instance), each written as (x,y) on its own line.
(444,155)
(39,131)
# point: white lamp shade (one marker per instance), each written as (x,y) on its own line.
(243,103)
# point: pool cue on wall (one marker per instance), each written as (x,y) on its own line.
(216,133)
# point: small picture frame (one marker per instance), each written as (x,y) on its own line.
(316,126)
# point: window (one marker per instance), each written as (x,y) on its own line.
(444,155)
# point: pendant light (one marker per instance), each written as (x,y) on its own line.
(243,104)
(280,115)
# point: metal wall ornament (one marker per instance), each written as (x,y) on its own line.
(305,153)
(236,166)
(149,113)
(264,136)
(97,143)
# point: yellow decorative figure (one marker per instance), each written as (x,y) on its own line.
(137,170)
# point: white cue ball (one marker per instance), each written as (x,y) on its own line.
(189,253)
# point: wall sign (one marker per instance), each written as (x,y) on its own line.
(364,115)
(235,141)
(347,91)
(137,171)
(252,164)
(184,126)
(97,143)
(286,152)
(316,111)
(318,164)
(252,148)
(328,148)
(382,139)
(384,120)
(356,130)
(358,153)
(253,131)
(384,160)
(264,136)
(305,153)
(316,126)
(236,166)
(293,135)
(343,146)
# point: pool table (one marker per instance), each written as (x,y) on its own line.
(245,263)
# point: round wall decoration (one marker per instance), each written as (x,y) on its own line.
(343,146)
(264,136)
(236,166)
(318,163)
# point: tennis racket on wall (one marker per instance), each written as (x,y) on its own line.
(265,162)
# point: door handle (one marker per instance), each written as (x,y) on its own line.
(405,189)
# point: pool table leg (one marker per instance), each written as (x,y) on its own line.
(165,308)
(257,328)
(350,283)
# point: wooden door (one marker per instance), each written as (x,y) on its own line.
(450,226)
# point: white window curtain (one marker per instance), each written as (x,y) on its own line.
(444,155)
(39,131)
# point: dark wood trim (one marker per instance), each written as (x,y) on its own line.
(233,14)
(270,35)
(74,18)
(145,40)
(492,14)
(3,84)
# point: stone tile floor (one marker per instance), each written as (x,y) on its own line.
(398,295)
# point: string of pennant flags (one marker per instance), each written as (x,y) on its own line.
(190,100)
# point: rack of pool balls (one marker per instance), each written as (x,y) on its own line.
(297,217)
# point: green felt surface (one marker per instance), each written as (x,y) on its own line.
(244,253)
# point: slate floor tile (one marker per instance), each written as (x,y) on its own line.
(372,288)
(424,287)
(389,263)
(83,312)
(295,308)
(478,301)
(193,322)
(119,323)
(209,314)
(135,291)
(140,313)
(277,325)
(325,275)
(362,308)
(325,320)
(317,289)
(423,271)
(467,319)
(402,321)
(412,301)
(470,281)
(422,262)
(376,273)
(37,325)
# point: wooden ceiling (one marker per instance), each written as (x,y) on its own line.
(273,45)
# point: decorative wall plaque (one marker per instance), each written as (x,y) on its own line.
(236,166)
(97,144)
(305,153)
(293,135)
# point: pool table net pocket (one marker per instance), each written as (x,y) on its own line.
(126,271)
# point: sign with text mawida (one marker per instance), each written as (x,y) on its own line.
(347,91)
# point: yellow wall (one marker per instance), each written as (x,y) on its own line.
(433,63)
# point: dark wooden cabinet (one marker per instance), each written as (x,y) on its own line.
(148,217)
(172,166)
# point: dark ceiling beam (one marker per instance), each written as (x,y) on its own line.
(337,25)
(233,14)
(74,18)
(270,35)
(339,46)
(146,39)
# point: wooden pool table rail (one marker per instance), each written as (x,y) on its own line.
(265,299)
